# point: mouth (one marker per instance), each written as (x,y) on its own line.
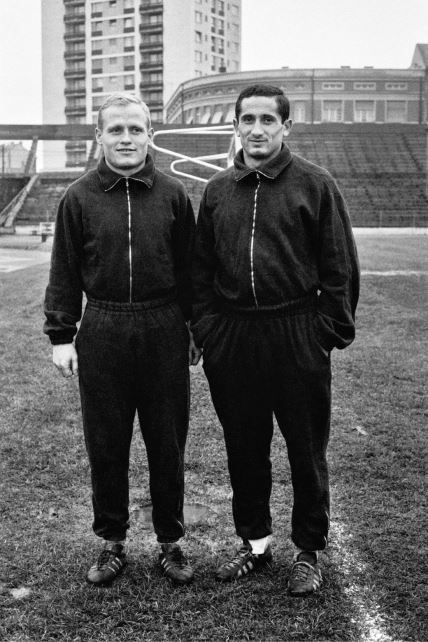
(125,151)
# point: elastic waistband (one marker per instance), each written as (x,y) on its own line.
(130,308)
(285,308)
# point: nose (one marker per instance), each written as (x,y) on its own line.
(257,129)
(126,138)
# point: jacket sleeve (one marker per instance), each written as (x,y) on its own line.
(205,308)
(339,273)
(184,238)
(63,298)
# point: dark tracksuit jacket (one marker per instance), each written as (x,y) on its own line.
(126,242)
(276,283)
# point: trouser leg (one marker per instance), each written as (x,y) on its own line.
(242,404)
(163,409)
(108,408)
(302,408)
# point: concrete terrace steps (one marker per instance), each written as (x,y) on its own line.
(42,202)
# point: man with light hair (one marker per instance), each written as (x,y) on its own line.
(124,236)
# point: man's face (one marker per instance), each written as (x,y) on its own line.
(260,129)
(124,137)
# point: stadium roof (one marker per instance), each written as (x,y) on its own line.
(420,56)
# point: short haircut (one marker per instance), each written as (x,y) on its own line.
(267,91)
(122,98)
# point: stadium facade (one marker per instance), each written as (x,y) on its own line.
(342,95)
(94,47)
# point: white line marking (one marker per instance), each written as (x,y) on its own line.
(394,272)
(362,598)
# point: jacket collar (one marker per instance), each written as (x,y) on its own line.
(109,178)
(271,169)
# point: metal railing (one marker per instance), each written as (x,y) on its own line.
(202,161)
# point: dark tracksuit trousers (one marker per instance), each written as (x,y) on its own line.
(133,357)
(265,363)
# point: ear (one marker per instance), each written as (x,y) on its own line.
(235,125)
(287,127)
(98,134)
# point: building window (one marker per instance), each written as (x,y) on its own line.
(97,28)
(198,56)
(364,111)
(155,96)
(396,85)
(156,115)
(395,111)
(129,82)
(198,36)
(365,86)
(333,85)
(97,47)
(332,111)
(128,63)
(97,84)
(299,112)
(198,17)
(128,24)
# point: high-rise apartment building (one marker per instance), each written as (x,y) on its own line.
(94,47)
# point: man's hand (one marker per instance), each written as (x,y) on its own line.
(64,356)
(194,351)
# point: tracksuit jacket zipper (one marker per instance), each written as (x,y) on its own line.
(129,239)
(253,229)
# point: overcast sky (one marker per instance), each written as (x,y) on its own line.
(275,33)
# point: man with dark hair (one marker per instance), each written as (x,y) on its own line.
(124,236)
(276,283)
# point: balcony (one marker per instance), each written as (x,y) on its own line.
(129,30)
(144,7)
(74,55)
(74,37)
(97,14)
(151,66)
(76,93)
(151,85)
(155,47)
(147,27)
(128,10)
(75,73)
(74,3)
(76,111)
(74,18)
(75,146)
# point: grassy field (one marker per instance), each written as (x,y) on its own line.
(374,568)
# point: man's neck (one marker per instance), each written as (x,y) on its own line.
(126,172)
(256,163)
